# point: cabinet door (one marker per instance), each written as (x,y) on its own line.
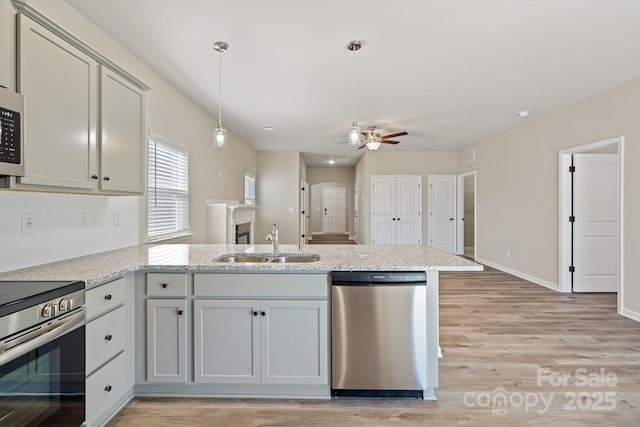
(294,342)
(167,340)
(226,341)
(59,84)
(122,133)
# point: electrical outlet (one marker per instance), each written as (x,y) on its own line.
(29,223)
(508,253)
(89,219)
(92,219)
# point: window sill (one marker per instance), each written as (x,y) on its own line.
(168,237)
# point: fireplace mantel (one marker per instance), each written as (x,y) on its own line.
(222,218)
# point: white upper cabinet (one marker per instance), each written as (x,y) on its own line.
(59,84)
(84,119)
(122,133)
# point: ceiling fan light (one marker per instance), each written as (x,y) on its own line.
(221,137)
(373,146)
(354,135)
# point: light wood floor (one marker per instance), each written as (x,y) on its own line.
(496,332)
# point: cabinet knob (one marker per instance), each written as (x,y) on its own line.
(108,337)
(94,176)
(164,286)
(107,388)
(262,313)
(106,178)
(398,219)
(180,312)
(255,313)
(107,297)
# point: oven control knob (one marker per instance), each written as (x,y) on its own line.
(49,310)
(65,304)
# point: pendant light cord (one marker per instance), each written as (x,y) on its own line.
(354,85)
(220,86)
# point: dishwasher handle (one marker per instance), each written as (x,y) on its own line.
(378,278)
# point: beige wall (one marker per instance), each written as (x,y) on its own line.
(422,163)
(277,190)
(169,114)
(320,178)
(517,187)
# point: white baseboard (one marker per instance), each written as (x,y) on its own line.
(537,281)
(633,315)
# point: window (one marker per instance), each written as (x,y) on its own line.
(249,189)
(168,190)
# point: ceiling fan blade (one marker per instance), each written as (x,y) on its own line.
(386,141)
(393,135)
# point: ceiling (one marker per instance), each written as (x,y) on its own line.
(449,72)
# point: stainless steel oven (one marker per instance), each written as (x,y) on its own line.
(42,354)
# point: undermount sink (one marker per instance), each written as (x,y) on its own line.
(275,258)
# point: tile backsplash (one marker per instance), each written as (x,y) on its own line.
(36,228)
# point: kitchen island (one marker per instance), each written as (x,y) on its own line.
(168,320)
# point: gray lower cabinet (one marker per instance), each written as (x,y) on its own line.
(109,350)
(166,340)
(260,341)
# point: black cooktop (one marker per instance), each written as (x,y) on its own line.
(18,295)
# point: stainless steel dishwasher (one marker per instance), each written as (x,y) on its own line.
(378,333)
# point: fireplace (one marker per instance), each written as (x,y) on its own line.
(229,222)
(243,234)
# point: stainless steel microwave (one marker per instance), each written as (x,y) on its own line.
(12,133)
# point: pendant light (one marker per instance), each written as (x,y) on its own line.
(220,133)
(354,133)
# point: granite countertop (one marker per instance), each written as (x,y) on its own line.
(101,267)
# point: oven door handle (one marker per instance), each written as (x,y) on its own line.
(46,333)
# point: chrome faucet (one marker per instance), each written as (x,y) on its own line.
(273,236)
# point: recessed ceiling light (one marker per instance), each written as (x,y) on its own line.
(524,113)
(268,127)
(331,162)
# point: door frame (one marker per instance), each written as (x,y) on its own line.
(460,213)
(564,204)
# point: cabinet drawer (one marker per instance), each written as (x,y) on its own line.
(261,285)
(105,338)
(105,387)
(104,298)
(167,284)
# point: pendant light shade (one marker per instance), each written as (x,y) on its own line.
(354,133)
(220,132)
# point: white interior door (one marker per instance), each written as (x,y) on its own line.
(596,228)
(442,212)
(408,207)
(383,211)
(335,211)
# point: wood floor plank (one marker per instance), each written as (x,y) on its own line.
(501,337)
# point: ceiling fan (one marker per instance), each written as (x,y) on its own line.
(373,139)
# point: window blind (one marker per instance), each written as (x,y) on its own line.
(249,189)
(168,190)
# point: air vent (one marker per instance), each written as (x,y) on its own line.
(470,155)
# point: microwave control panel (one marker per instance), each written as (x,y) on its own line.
(9,136)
